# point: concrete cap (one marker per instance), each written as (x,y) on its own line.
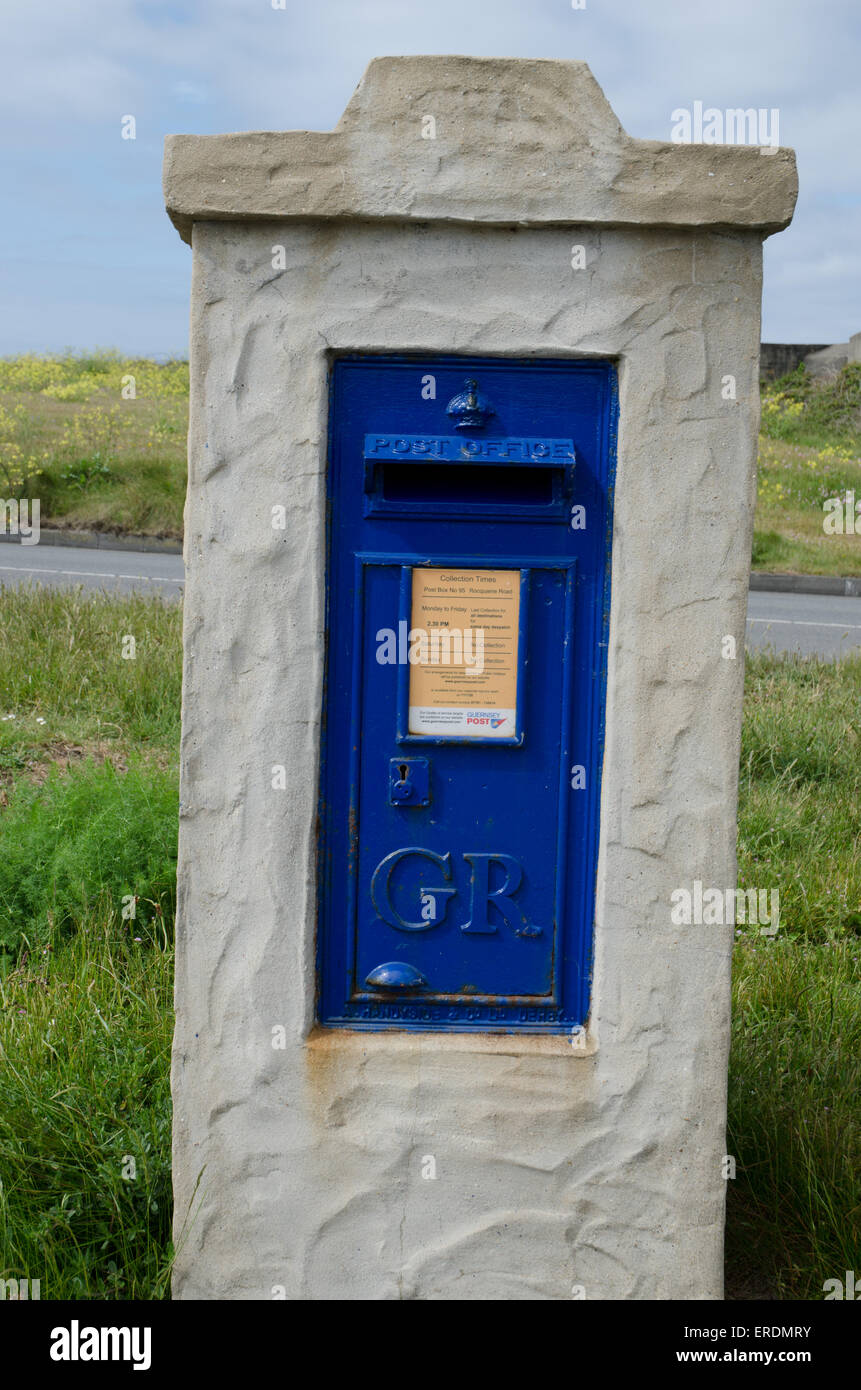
(518,141)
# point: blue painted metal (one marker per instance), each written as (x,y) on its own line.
(409,782)
(438,476)
(470,408)
(395,974)
(466,902)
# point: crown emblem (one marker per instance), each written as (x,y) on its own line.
(470,408)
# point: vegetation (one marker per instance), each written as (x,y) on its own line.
(99,438)
(810,453)
(85,1031)
(794,1208)
(794,1125)
(100,837)
(88,817)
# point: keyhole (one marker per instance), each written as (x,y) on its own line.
(403,770)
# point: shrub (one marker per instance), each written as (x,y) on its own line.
(89,837)
(799,406)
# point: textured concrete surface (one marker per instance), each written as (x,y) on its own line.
(298,1168)
(776,359)
(520,141)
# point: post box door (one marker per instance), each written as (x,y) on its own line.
(468,592)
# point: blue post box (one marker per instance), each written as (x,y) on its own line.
(470,519)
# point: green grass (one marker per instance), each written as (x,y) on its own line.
(62,663)
(88,748)
(800,792)
(88,815)
(90,842)
(794,1208)
(85,1033)
(794,1124)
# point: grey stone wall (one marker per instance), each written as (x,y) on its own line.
(776,359)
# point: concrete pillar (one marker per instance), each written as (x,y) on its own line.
(594,1172)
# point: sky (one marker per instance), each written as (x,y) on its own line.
(90,259)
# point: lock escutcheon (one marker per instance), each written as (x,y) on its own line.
(409,782)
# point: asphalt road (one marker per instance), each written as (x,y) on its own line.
(118,571)
(812,624)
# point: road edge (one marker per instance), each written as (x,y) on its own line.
(846,586)
(101,540)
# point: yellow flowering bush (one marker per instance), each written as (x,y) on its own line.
(769,490)
(154,379)
(780,414)
(77,377)
(93,433)
(831,453)
(29,372)
(80,389)
(782,405)
(17,464)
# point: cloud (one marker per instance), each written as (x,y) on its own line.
(69,72)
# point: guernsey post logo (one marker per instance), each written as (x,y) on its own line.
(486,719)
